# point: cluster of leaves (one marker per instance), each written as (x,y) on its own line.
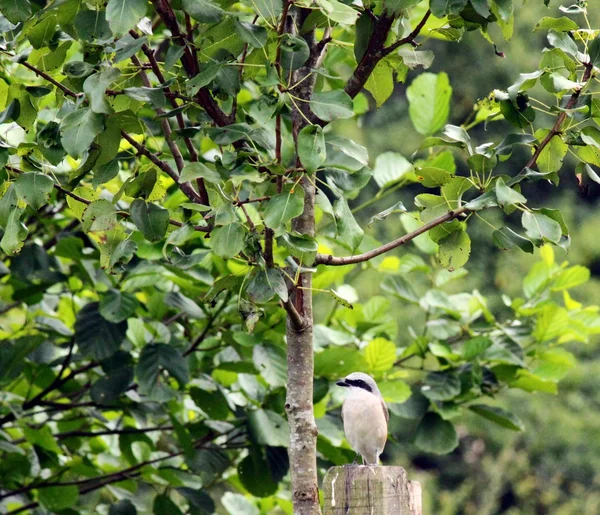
(151,174)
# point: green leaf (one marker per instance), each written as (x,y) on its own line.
(11,113)
(15,232)
(454,250)
(506,239)
(254,35)
(432,177)
(395,391)
(337,362)
(423,242)
(475,346)
(254,474)
(499,416)
(436,435)
(540,227)
(117,306)
(204,11)
(228,241)
(294,51)
(95,89)
(283,207)
(78,69)
(562,24)
(149,218)
(380,355)
(163,505)
(96,336)
(213,403)
(15,10)
(34,189)
(301,246)
(532,383)
(237,504)
(338,12)
(199,499)
(390,167)
(155,356)
(348,231)
(79,129)
(271,362)
(268,428)
(570,278)
(441,386)
(268,9)
(395,6)
(507,196)
(154,96)
(192,171)
(100,215)
(345,153)
(58,498)
(398,207)
(311,147)
(551,157)
(42,437)
(594,52)
(429,102)
(122,507)
(332,105)
(123,15)
(381,82)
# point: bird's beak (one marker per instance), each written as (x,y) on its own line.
(342,383)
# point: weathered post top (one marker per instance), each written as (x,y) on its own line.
(364,490)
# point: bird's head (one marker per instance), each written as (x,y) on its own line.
(359,381)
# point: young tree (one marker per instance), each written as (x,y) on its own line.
(175,192)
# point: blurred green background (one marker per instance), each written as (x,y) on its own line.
(553,467)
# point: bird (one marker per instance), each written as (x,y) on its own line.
(365,417)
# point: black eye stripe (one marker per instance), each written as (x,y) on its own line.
(359,383)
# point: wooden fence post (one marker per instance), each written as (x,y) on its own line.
(360,490)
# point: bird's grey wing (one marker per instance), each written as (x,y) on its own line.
(385,410)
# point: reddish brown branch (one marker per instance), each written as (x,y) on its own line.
(326,259)
(376,51)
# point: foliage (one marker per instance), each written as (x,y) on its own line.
(154,177)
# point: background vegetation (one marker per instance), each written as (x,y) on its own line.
(153,252)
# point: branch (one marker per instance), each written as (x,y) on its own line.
(299,323)
(37,400)
(124,431)
(201,228)
(163,165)
(410,39)
(186,188)
(377,51)
(164,122)
(556,128)
(208,326)
(179,117)
(114,477)
(327,259)
(190,64)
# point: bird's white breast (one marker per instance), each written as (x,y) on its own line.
(365,424)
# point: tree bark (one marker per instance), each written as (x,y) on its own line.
(299,402)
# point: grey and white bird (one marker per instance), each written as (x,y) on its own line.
(365,417)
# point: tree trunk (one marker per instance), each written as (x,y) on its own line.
(299,402)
